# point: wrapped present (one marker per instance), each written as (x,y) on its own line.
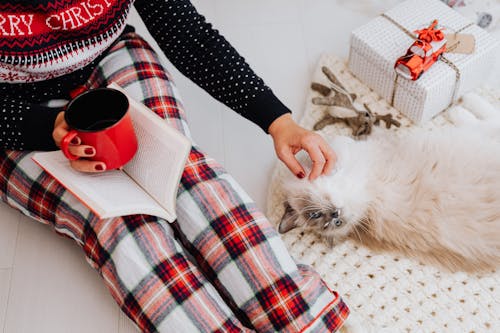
(377,46)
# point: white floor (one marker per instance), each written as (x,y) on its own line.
(45,283)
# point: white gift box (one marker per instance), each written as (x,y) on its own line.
(377,45)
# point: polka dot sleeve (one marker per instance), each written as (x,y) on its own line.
(26,126)
(204,56)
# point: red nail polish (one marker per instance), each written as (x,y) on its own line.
(75,141)
(99,167)
(300,175)
(89,151)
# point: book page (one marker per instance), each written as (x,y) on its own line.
(162,152)
(107,194)
(148,184)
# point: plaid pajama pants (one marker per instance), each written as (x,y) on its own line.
(243,278)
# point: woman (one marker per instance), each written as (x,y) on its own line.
(243,279)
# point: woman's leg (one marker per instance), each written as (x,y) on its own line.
(234,244)
(144,268)
(141,263)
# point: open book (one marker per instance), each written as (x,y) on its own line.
(146,185)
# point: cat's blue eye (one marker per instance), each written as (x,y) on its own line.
(315,215)
(338,223)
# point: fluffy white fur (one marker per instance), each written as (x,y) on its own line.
(435,193)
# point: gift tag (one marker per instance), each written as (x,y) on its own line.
(460,43)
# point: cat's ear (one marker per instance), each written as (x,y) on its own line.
(289,219)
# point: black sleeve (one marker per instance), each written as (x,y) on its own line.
(204,56)
(25,126)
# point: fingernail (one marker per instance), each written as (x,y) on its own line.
(300,175)
(89,151)
(99,167)
(75,141)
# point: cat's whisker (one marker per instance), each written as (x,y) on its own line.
(307,199)
(358,235)
(314,205)
(362,224)
(308,220)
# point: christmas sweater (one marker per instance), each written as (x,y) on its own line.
(48,46)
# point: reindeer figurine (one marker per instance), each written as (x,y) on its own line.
(362,123)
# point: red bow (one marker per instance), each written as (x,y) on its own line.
(430,34)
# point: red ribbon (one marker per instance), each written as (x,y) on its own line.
(430,34)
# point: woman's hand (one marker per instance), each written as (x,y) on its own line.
(61,128)
(289,138)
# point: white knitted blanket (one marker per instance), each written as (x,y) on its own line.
(384,289)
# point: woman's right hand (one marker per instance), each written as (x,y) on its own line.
(61,128)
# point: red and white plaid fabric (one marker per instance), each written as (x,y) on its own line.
(244,279)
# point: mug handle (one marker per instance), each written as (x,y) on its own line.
(65,145)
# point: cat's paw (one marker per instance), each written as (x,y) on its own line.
(459,116)
(480,107)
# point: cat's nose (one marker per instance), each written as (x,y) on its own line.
(336,214)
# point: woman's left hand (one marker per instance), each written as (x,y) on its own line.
(289,138)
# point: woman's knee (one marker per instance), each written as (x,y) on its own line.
(141,236)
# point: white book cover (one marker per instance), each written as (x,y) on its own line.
(147,184)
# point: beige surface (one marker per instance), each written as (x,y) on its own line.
(389,289)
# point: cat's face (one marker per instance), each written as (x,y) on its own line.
(319,215)
(331,206)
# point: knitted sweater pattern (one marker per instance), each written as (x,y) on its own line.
(41,40)
(48,46)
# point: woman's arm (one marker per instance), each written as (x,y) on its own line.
(204,56)
(26,126)
(289,138)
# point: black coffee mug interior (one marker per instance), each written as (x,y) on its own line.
(96,109)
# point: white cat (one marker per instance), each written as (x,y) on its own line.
(433,193)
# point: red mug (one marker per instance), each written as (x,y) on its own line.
(101,119)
